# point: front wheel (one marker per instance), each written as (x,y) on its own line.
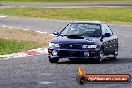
(114,55)
(101,57)
(53,60)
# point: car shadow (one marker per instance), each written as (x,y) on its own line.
(118,61)
(106,61)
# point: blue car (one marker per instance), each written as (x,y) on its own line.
(85,40)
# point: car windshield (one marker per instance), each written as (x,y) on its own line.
(82,29)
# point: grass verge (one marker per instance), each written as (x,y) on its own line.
(67,1)
(11,46)
(103,14)
(14,40)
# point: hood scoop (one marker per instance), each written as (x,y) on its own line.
(75,37)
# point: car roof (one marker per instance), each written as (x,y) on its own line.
(94,22)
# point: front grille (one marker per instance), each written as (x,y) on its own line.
(64,53)
(71,46)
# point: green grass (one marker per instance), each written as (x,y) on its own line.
(17,40)
(102,14)
(11,46)
(66,1)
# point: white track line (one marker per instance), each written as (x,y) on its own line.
(24,29)
(23,54)
(3,16)
(10,27)
(52,34)
(45,74)
(3,26)
(41,32)
(45,82)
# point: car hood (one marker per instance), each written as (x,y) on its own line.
(86,40)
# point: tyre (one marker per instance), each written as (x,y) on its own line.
(53,60)
(115,53)
(101,57)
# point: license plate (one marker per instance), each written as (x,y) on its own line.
(86,53)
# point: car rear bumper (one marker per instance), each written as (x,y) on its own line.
(75,53)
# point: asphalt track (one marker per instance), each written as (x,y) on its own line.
(67,5)
(37,72)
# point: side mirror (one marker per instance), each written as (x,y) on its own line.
(107,35)
(56,33)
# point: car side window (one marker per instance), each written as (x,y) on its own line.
(107,29)
(104,30)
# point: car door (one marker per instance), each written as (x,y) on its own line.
(111,40)
(114,41)
(106,40)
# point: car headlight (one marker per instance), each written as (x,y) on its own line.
(89,46)
(53,45)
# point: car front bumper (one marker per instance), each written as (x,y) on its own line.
(74,53)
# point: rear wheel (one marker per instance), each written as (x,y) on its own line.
(115,54)
(53,60)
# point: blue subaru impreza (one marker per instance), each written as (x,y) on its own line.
(84,40)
